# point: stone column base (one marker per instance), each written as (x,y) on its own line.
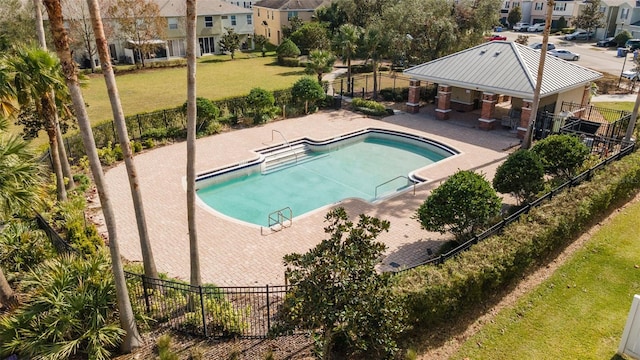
(487,124)
(521,132)
(442,114)
(413,108)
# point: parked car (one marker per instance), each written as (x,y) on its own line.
(631,75)
(521,26)
(608,42)
(564,54)
(536,27)
(538,46)
(579,35)
(632,44)
(494,37)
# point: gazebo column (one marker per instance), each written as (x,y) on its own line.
(586,97)
(444,102)
(525,116)
(487,119)
(413,103)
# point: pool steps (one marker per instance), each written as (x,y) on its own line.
(285,158)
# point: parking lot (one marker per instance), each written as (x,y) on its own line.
(596,58)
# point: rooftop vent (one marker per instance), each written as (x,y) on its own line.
(483,51)
(497,53)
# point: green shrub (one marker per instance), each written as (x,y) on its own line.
(69,311)
(290,62)
(107,155)
(214,127)
(287,49)
(117,152)
(154,133)
(561,155)
(82,181)
(261,104)
(23,246)
(136,146)
(69,218)
(521,175)
(439,294)
(148,143)
(368,106)
(164,348)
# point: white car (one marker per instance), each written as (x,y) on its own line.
(521,26)
(536,27)
(564,54)
(631,75)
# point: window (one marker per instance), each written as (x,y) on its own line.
(233,20)
(208,21)
(603,8)
(516,4)
(269,34)
(173,23)
(176,48)
(258,12)
(539,6)
(624,14)
(249,20)
(207,45)
(560,7)
(292,14)
(506,4)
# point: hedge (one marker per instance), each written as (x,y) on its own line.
(435,294)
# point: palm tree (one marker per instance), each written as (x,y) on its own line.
(132,338)
(346,43)
(121,127)
(7,93)
(376,41)
(320,62)
(36,76)
(19,179)
(191,143)
(64,160)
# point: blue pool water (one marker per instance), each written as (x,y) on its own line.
(322,178)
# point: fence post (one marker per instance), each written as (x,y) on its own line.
(341,87)
(394,85)
(268,311)
(366,84)
(146,294)
(441,260)
(115,134)
(139,124)
(204,313)
(363,93)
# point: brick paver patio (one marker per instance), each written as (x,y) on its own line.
(234,254)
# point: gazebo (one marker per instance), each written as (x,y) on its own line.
(477,77)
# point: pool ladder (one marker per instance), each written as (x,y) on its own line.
(279,219)
(396,178)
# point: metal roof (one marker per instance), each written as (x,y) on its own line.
(176,8)
(292,4)
(506,68)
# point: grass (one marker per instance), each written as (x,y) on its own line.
(155,89)
(578,313)
(616,105)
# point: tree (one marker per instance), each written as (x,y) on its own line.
(337,292)
(102,47)
(196,278)
(332,15)
(562,23)
(81,29)
(36,81)
(287,49)
(261,42)
(346,43)
(230,42)
(521,175)
(463,204)
(590,18)
(622,37)
(140,24)
(132,338)
(320,62)
(16,23)
(294,24)
(310,36)
(8,106)
(307,89)
(375,45)
(261,103)
(561,155)
(514,16)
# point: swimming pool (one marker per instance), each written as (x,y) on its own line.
(306,175)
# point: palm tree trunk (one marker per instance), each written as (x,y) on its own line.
(49,105)
(7,297)
(121,127)
(64,160)
(191,143)
(132,338)
(375,80)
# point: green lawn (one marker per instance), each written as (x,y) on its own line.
(580,312)
(217,77)
(626,106)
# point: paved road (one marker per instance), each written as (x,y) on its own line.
(599,59)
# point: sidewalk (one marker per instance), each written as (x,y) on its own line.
(615,98)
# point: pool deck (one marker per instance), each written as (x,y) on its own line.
(235,254)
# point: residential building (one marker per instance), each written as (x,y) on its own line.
(247,4)
(272,15)
(628,18)
(508,5)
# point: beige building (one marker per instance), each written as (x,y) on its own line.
(272,15)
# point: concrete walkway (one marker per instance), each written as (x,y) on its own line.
(236,254)
(615,98)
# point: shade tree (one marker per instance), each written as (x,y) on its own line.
(521,175)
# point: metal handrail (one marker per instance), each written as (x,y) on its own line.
(396,178)
(286,142)
(281,219)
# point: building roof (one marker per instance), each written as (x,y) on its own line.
(177,8)
(292,4)
(506,68)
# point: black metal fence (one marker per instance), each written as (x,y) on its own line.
(210,311)
(61,245)
(391,86)
(497,228)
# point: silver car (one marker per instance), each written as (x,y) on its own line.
(564,54)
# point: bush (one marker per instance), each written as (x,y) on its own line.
(521,175)
(368,107)
(69,311)
(622,37)
(261,103)
(289,62)
(23,246)
(463,204)
(155,134)
(107,155)
(287,49)
(207,112)
(561,155)
(307,89)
